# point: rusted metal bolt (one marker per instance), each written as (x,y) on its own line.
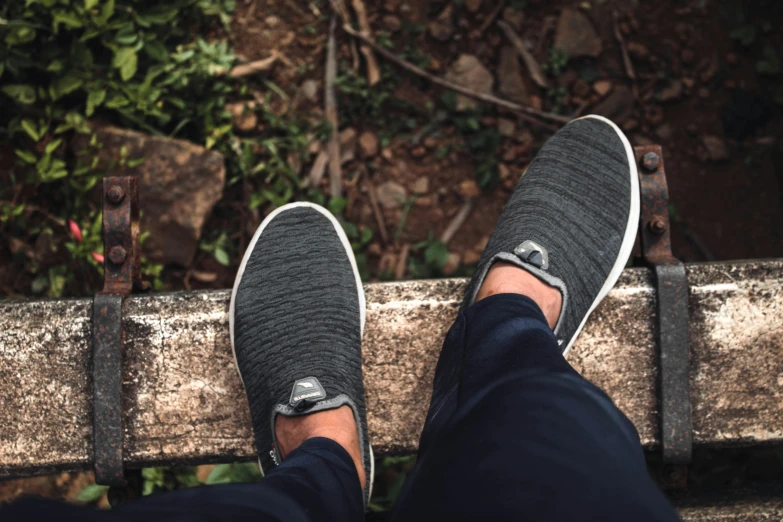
(117,255)
(651,161)
(657,226)
(115,194)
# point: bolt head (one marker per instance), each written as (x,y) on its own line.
(117,255)
(651,161)
(115,194)
(657,226)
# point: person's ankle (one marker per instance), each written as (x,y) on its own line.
(338,425)
(505,278)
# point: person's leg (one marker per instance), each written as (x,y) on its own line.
(316,482)
(513,432)
(296,319)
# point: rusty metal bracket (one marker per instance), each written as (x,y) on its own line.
(122,274)
(672,309)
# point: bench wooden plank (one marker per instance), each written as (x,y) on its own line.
(183,400)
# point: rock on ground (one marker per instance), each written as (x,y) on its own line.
(510,82)
(715,148)
(618,106)
(368,144)
(576,35)
(468,72)
(443,26)
(179,184)
(391,195)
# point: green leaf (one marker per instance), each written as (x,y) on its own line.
(436,254)
(55,66)
(232,473)
(94,99)
(52,146)
(64,86)
(107,11)
(116,101)
(2,68)
(89,4)
(26,156)
(67,18)
(126,60)
(337,205)
(30,128)
(159,15)
(222,257)
(24,94)
(156,50)
(20,35)
(91,493)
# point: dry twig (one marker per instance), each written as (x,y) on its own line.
(530,62)
(623,49)
(318,169)
(255,67)
(373,72)
(402,261)
(457,222)
(376,210)
(491,17)
(527,113)
(330,111)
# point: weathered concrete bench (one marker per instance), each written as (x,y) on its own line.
(183,402)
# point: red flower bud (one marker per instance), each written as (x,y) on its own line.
(76,232)
(98,257)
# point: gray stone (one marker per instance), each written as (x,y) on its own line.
(576,35)
(514,17)
(368,144)
(179,184)
(472,5)
(443,26)
(510,82)
(391,195)
(715,148)
(672,91)
(309,90)
(467,71)
(618,106)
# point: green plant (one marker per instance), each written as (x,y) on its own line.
(557,62)
(168,479)
(769,63)
(219,248)
(745,34)
(240,472)
(430,257)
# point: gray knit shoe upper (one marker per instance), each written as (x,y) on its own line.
(296,318)
(572,219)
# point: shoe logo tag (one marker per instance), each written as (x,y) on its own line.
(533,253)
(305,393)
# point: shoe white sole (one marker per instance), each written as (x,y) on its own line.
(359,287)
(630,229)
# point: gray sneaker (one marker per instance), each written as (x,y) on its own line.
(571,221)
(296,319)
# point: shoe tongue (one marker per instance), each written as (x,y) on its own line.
(533,253)
(305,393)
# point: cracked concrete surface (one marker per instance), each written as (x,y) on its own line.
(184,402)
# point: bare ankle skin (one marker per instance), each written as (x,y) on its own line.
(505,278)
(338,425)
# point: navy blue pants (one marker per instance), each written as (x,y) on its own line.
(513,433)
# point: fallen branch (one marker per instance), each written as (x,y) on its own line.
(530,62)
(255,67)
(373,71)
(330,110)
(402,261)
(623,49)
(527,113)
(491,18)
(457,222)
(376,211)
